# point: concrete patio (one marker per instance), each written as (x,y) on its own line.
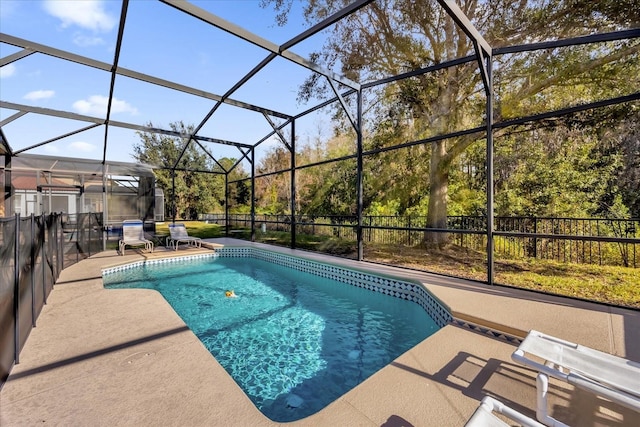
(124,358)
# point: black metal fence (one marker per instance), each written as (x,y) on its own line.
(602,241)
(33,252)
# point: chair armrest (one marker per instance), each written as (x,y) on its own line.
(483,416)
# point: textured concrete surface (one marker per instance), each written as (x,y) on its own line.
(124,358)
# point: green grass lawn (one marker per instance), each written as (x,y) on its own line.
(194,228)
(615,285)
(608,284)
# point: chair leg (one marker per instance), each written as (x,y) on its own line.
(542,387)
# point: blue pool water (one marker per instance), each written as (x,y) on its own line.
(293,341)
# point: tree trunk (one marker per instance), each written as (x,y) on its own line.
(439,181)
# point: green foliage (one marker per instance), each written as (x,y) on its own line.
(397,177)
(571,175)
(335,193)
(273,192)
(561,171)
(623,139)
(328,189)
(377,208)
(195,192)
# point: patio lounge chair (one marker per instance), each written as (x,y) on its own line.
(612,377)
(133,235)
(484,416)
(178,234)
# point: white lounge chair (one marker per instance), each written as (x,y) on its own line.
(178,234)
(603,374)
(484,416)
(133,235)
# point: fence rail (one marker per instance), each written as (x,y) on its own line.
(33,252)
(603,241)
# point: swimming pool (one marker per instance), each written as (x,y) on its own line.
(297,337)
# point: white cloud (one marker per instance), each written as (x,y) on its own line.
(85,41)
(85,147)
(97,105)
(89,14)
(50,148)
(39,94)
(118,106)
(7,71)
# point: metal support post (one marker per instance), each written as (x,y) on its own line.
(43,257)
(359,178)
(173,195)
(226,204)
(16,292)
(490,190)
(253,195)
(293,184)
(32,243)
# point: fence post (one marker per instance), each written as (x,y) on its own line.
(16,293)
(77,231)
(90,225)
(33,271)
(60,248)
(535,240)
(43,239)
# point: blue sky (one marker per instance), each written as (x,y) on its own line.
(159,41)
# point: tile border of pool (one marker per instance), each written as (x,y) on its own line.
(402,289)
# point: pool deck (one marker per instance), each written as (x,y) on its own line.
(124,358)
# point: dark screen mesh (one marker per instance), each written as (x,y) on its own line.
(25,292)
(38,270)
(27,276)
(7,284)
